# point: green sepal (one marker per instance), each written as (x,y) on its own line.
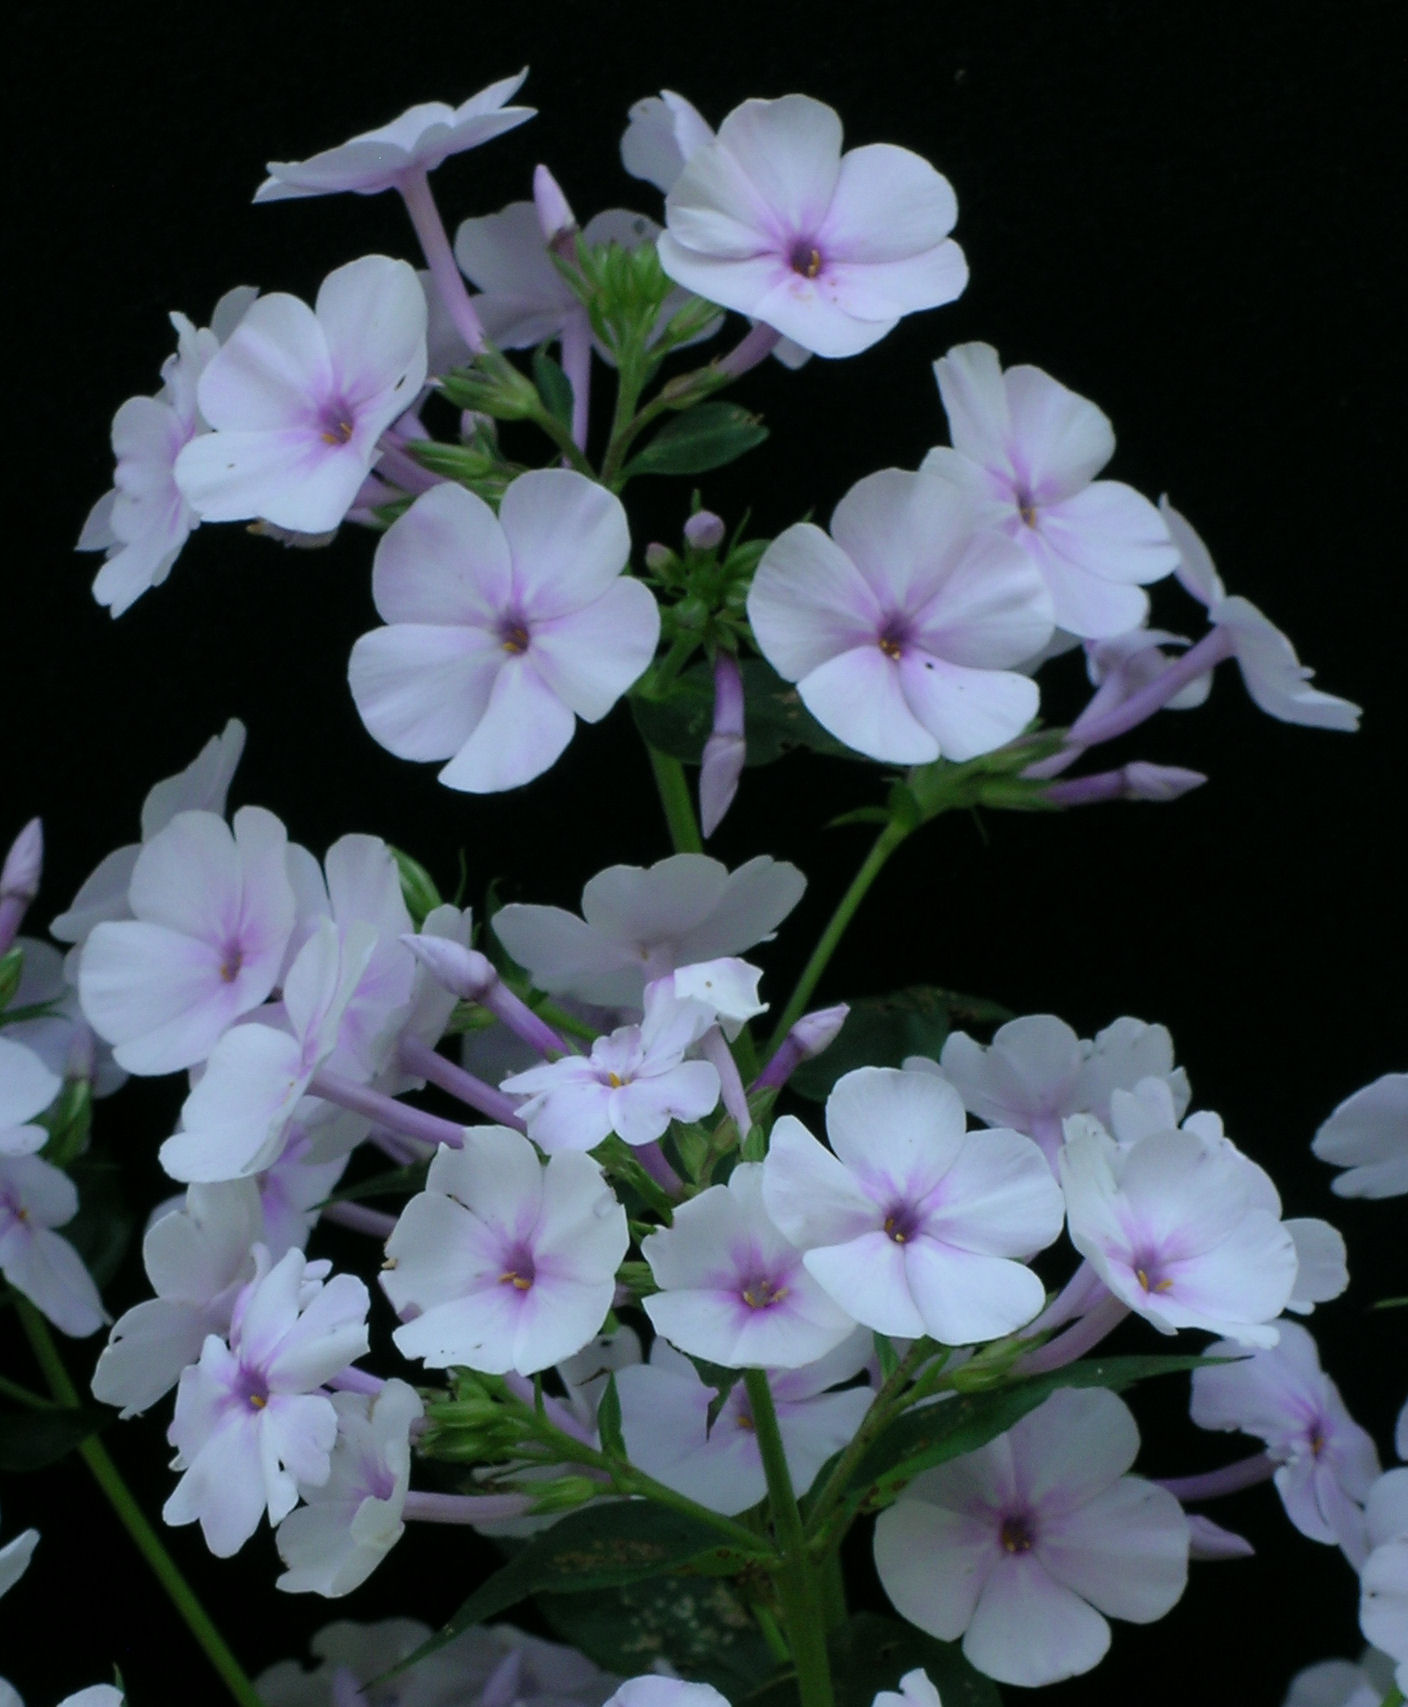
(709,436)
(418,889)
(608,1420)
(554,388)
(11,970)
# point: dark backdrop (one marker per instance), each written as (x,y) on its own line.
(1188,213)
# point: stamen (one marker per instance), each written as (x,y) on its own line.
(257,1402)
(1016,1534)
(231,968)
(892,1228)
(339,435)
(1027,511)
(1142,1278)
(515,638)
(745,1421)
(1317,1444)
(614,1082)
(763,1294)
(891,648)
(805,259)
(520,1282)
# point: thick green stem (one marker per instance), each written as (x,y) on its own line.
(826,1498)
(674,797)
(133,1520)
(799,1590)
(885,844)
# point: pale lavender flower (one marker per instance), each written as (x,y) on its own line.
(638,923)
(351,1521)
(36,1197)
(1027,451)
(502,629)
(734,1288)
(668,1431)
(59,1036)
(236,1120)
(770,219)
(654,1691)
(27,1087)
(1327,1462)
(725,751)
(15,1556)
(298,398)
(1368,1135)
(418,141)
(198,1256)
(915,1690)
(664,132)
(1027,1545)
(915,1226)
(1036,1072)
(250,1423)
(145,521)
(1383,1583)
(212,914)
(634,1083)
(1275,678)
(1179,1229)
(201,787)
(903,627)
(504,1262)
(1341,1683)
(19,879)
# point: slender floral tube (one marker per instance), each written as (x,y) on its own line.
(417,1057)
(424,1507)
(449,281)
(755,345)
(360,1219)
(472,976)
(725,750)
(1079,1338)
(361,1099)
(811,1034)
(1230,1479)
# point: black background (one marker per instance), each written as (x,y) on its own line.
(1189,213)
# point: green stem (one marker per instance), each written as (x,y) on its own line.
(145,1538)
(1394,1698)
(623,427)
(674,797)
(803,1615)
(562,437)
(882,1408)
(885,844)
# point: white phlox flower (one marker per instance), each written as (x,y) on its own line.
(201,787)
(145,521)
(417,141)
(212,912)
(1027,1546)
(299,397)
(59,1035)
(1027,451)
(198,1257)
(770,218)
(1327,1463)
(1342,1683)
(1036,1072)
(504,1262)
(914,1225)
(640,923)
(1367,1135)
(251,1423)
(904,627)
(36,1197)
(734,1288)
(27,1087)
(634,1082)
(352,1520)
(1383,1582)
(655,1691)
(1275,678)
(501,630)
(666,1427)
(915,1690)
(1179,1229)
(15,1556)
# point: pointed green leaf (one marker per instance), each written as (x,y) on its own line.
(30,1440)
(706,436)
(880,1031)
(554,388)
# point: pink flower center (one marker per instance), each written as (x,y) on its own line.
(763,1292)
(513,635)
(336,424)
(1018,1533)
(805,258)
(519,1271)
(901,1223)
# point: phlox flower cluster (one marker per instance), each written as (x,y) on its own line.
(620,1271)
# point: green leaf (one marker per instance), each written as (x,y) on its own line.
(554,388)
(774,719)
(880,1031)
(30,1440)
(706,436)
(873,1653)
(103,1227)
(608,1420)
(932,1434)
(601,1546)
(699,1624)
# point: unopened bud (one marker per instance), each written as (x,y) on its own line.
(811,1034)
(658,557)
(19,880)
(464,972)
(556,219)
(563,1493)
(704,530)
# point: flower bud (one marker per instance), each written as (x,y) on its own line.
(563,1493)
(19,880)
(704,530)
(556,219)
